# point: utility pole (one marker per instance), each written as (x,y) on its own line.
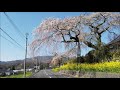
(36,63)
(0,36)
(39,64)
(25,56)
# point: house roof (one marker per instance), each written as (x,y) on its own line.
(1,71)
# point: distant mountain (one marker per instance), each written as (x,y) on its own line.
(39,58)
(43,58)
(30,61)
(2,62)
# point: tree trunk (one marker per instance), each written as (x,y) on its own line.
(78,52)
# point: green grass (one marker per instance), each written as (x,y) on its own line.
(112,66)
(18,75)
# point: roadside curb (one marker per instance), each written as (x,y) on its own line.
(83,74)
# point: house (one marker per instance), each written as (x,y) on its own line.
(9,72)
(18,71)
(6,72)
(2,73)
(29,69)
(36,67)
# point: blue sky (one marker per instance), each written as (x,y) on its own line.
(26,22)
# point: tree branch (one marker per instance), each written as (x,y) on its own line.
(89,44)
(78,33)
(63,36)
(112,32)
(106,29)
(102,22)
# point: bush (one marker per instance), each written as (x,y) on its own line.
(116,55)
(72,61)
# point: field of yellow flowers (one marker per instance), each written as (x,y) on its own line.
(113,66)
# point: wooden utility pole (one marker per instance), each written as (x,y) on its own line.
(36,63)
(25,56)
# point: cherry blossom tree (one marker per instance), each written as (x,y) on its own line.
(74,32)
(52,32)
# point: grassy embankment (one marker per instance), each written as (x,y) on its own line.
(18,75)
(112,66)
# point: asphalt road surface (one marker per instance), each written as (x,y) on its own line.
(47,73)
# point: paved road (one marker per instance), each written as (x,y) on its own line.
(49,74)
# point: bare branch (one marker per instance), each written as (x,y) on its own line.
(89,44)
(106,29)
(112,32)
(105,19)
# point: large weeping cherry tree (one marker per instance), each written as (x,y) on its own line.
(54,32)
(74,32)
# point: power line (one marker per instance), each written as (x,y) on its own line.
(16,28)
(10,37)
(8,40)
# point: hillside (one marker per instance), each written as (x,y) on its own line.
(29,62)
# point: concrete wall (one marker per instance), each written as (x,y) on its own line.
(82,74)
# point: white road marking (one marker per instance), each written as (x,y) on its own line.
(47,74)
